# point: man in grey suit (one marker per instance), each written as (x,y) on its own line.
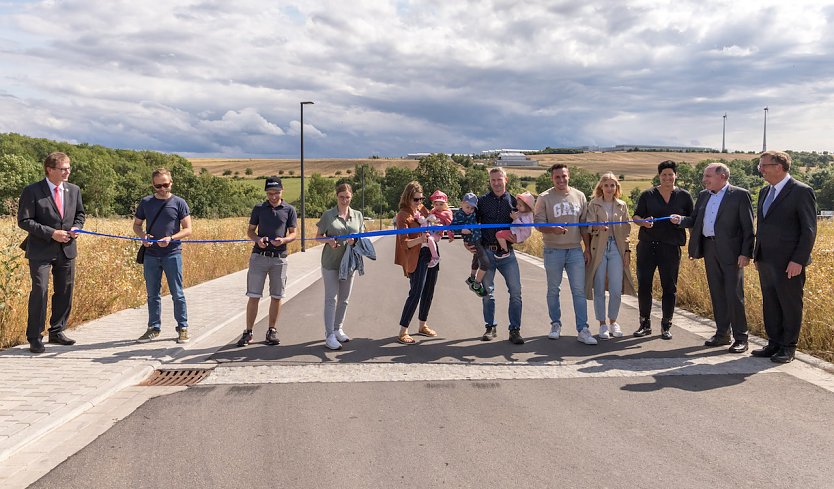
(785,234)
(722,234)
(51,211)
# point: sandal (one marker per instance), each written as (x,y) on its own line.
(406,339)
(426,331)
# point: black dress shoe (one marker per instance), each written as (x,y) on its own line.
(645,328)
(60,338)
(738,346)
(767,351)
(666,334)
(785,355)
(36,346)
(718,341)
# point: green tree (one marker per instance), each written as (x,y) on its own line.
(514,184)
(437,171)
(97,181)
(16,172)
(320,195)
(475,179)
(396,178)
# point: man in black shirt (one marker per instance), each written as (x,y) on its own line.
(659,246)
(271,226)
(495,207)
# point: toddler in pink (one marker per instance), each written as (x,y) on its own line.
(517,234)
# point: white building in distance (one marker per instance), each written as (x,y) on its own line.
(514,159)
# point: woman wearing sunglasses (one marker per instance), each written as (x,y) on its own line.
(414,256)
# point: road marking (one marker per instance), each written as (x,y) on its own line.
(398,372)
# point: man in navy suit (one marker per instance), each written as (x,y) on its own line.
(51,211)
(785,233)
(722,234)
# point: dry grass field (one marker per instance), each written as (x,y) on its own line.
(107,279)
(693,293)
(267,167)
(637,167)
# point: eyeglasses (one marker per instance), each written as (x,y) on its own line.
(418,199)
(62,169)
(161,185)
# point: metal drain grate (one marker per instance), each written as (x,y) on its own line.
(176,377)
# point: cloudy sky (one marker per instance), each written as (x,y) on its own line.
(218,77)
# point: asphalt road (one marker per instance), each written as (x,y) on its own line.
(608,426)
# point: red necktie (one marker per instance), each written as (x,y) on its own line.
(59,201)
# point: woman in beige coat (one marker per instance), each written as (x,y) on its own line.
(610,254)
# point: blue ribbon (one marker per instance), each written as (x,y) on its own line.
(392,232)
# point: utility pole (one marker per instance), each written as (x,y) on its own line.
(764,136)
(724,135)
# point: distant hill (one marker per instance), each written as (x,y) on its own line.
(267,167)
(634,165)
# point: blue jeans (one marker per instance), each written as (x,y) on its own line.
(508,267)
(611,267)
(172,266)
(556,261)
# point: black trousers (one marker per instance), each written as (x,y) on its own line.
(63,279)
(781,303)
(726,291)
(422,280)
(666,258)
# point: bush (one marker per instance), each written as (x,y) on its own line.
(227,172)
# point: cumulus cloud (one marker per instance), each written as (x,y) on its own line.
(400,76)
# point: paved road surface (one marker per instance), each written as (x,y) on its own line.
(457,412)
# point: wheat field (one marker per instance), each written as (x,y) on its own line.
(817,336)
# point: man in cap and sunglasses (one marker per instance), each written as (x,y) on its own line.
(168,221)
(272,226)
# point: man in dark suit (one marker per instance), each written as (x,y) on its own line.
(785,233)
(51,211)
(722,234)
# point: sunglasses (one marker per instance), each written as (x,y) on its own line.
(418,199)
(162,185)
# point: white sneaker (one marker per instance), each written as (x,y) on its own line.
(603,332)
(341,336)
(616,332)
(332,343)
(555,332)
(586,337)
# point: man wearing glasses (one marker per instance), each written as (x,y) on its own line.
(169,221)
(51,211)
(272,226)
(785,233)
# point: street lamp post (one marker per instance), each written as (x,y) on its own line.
(764,136)
(724,135)
(303,242)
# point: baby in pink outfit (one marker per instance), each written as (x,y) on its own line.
(517,234)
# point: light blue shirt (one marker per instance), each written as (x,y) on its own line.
(711,211)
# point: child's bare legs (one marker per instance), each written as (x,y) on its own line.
(505,237)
